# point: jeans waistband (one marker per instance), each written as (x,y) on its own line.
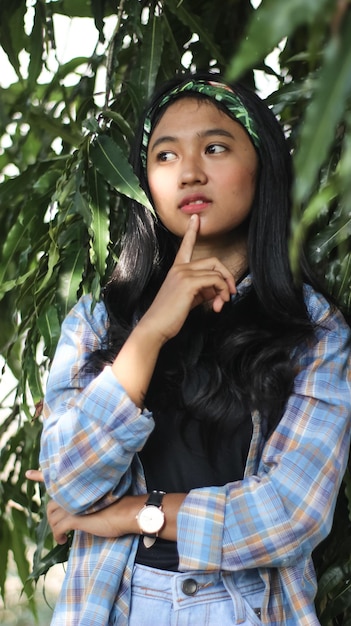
(184,589)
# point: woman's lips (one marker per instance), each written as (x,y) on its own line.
(194,205)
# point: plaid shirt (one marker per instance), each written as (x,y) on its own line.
(271,520)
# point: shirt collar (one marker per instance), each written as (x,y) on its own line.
(242,288)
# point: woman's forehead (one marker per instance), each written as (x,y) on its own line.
(188,116)
(188,105)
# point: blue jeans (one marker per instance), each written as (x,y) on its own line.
(162,598)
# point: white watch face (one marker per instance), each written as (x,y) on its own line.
(151,519)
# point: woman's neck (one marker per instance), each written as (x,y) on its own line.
(230,250)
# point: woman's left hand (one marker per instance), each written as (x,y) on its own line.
(61,522)
(114,521)
(109,522)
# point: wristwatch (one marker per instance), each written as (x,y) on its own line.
(151,517)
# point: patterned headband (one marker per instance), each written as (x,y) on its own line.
(217,91)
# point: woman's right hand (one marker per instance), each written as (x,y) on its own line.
(187,284)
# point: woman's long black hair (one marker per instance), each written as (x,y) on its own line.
(223,366)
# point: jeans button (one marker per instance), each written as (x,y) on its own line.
(189,586)
(258,612)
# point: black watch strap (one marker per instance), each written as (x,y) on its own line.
(155,498)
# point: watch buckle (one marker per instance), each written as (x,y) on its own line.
(148,541)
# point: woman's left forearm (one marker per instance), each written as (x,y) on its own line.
(116,520)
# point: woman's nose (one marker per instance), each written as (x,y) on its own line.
(192,172)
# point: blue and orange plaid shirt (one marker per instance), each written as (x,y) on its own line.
(270,521)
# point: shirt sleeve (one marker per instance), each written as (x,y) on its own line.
(274,518)
(92,430)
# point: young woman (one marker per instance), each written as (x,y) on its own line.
(197,420)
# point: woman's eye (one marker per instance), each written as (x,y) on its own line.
(215,148)
(166,156)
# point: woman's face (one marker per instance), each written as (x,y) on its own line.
(201,161)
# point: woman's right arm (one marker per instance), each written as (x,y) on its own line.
(188,284)
(93,427)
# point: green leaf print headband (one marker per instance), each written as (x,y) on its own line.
(217,91)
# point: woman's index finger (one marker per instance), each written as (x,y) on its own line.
(185,252)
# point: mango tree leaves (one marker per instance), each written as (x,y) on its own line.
(325,111)
(270,23)
(12,35)
(153,40)
(100,223)
(195,25)
(35,47)
(65,175)
(109,159)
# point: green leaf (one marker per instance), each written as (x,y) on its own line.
(342,291)
(118,119)
(195,25)
(44,121)
(109,159)
(17,240)
(19,531)
(347,482)
(270,23)
(97,9)
(100,224)
(36,46)
(63,71)
(324,112)
(151,54)
(12,34)
(5,546)
(315,208)
(71,278)
(49,327)
(31,373)
(329,238)
(9,285)
(76,8)
(59,554)
(81,206)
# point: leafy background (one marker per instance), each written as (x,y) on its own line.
(65,129)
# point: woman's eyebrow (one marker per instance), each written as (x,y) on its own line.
(209,132)
(162,139)
(216,131)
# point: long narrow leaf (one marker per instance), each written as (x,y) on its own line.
(324,112)
(16,241)
(100,224)
(5,545)
(109,159)
(19,553)
(315,208)
(36,45)
(12,34)
(151,54)
(70,279)
(9,285)
(195,25)
(59,554)
(270,23)
(49,327)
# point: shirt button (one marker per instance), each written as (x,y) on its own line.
(189,587)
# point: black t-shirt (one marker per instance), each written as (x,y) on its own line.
(175,460)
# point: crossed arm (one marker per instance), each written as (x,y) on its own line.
(116,520)
(188,284)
